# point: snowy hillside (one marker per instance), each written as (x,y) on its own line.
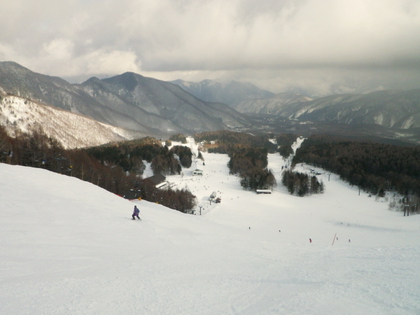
(71,130)
(69,247)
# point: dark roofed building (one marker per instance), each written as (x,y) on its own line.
(155,179)
(132,194)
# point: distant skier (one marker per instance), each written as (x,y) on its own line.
(136,213)
(310,240)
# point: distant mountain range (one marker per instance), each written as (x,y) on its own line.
(128,101)
(228,92)
(388,114)
(391,109)
(145,106)
(272,105)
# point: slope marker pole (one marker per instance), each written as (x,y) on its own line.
(334,239)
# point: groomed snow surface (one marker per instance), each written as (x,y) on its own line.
(69,247)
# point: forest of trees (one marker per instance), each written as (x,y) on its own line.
(184,154)
(301,184)
(178,138)
(248,156)
(285,142)
(225,139)
(251,165)
(129,156)
(116,168)
(373,167)
(179,199)
(286,139)
(285,151)
(38,150)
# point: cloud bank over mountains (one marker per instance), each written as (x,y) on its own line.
(318,46)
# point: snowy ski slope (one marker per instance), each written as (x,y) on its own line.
(69,247)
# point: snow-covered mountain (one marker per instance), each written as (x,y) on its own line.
(185,112)
(18,114)
(128,101)
(157,108)
(69,247)
(392,109)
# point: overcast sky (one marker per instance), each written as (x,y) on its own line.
(319,46)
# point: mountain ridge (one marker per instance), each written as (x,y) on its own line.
(128,101)
(158,108)
(392,109)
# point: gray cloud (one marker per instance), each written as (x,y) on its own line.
(321,46)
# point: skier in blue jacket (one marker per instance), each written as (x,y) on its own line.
(136,213)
